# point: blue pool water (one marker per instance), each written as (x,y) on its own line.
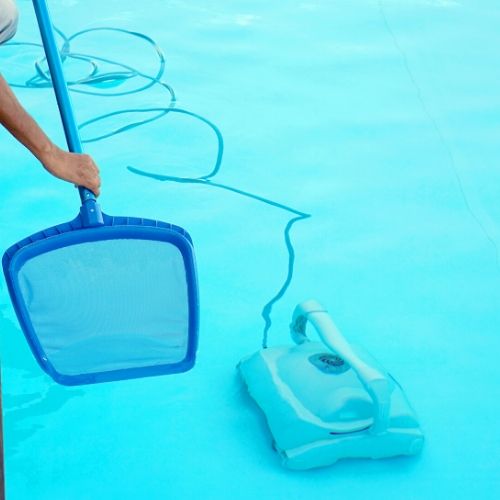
(379,119)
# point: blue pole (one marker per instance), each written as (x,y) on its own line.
(90,211)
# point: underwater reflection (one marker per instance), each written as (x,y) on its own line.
(36,395)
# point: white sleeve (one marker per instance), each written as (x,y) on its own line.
(8,20)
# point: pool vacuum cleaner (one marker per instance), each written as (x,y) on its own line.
(329,400)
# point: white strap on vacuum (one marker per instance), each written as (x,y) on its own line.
(377,384)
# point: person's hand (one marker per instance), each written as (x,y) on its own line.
(79,169)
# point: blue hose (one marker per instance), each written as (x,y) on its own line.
(96,78)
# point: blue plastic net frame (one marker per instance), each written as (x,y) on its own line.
(114,227)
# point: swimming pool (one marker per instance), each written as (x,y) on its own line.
(376,119)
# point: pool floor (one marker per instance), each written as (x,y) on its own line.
(367,133)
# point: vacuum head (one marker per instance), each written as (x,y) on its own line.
(328,400)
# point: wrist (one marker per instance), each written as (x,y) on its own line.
(46,152)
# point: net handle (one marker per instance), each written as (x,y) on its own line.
(91,212)
(376,383)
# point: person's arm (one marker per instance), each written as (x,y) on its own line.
(79,169)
